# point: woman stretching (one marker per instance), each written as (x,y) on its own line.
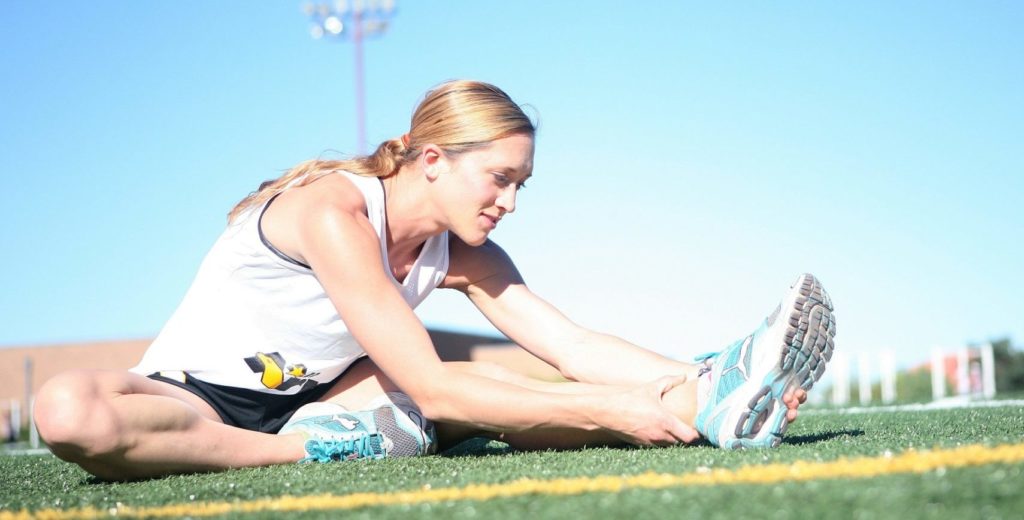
(306,301)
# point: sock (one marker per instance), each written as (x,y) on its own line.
(313,410)
(704,384)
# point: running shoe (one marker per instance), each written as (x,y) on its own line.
(743,407)
(373,434)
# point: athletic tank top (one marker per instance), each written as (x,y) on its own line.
(255,318)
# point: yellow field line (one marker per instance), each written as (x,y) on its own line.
(863,467)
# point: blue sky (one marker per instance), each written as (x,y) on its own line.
(691,160)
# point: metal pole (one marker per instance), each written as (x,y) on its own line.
(28,391)
(33,433)
(357,39)
(357,20)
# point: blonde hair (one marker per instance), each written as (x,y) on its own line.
(458,116)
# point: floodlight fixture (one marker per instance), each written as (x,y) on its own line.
(355,20)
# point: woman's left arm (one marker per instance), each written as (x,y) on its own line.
(490,279)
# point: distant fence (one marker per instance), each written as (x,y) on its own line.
(964,371)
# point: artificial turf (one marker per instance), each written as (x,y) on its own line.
(34,483)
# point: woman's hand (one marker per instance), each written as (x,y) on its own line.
(640,416)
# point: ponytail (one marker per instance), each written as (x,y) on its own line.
(383,162)
(458,116)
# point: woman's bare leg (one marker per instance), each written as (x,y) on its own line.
(364,382)
(119,425)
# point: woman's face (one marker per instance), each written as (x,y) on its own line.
(479,187)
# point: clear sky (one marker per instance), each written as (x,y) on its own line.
(691,160)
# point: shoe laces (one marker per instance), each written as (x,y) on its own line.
(327,450)
(708,360)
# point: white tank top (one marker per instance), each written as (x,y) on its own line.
(256,319)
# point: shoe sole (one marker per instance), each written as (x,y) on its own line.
(806,345)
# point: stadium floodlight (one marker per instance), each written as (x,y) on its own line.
(353,20)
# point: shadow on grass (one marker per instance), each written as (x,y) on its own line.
(478,447)
(482,447)
(90,480)
(799,440)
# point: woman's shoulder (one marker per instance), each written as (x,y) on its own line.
(309,218)
(323,204)
(330,193)
(468,264)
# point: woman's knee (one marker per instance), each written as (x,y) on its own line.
(72,417)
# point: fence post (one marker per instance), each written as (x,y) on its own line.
(988,371)
(863,379)
(888,377)
(841,380)
(938,375)
(963,381)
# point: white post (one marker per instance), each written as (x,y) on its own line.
(988,371)
(8,430)
(888,377)
(33,433)
(15,419)
(938,375)
(963,381)
(864,379)
(5,427)
(841,380)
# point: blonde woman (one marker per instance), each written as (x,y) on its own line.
(305,303)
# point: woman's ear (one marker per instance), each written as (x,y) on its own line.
(432,159)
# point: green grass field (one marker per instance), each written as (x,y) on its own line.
(963,462)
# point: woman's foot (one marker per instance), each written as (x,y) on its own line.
(375,434)
(746,391)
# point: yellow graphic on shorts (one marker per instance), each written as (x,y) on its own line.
(277,374)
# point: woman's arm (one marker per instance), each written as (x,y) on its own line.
(338,242)
(488,276)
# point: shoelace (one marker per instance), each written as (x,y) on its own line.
(327,450)
(708,359)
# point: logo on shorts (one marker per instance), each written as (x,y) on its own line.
(277,374)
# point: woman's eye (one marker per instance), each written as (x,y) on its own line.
(504,180)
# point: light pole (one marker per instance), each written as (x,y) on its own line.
(354,19)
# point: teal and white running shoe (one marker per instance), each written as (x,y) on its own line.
(374,434)
(743,407)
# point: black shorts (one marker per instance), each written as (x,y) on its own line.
(249,409)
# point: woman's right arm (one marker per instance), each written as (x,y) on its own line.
(337,240)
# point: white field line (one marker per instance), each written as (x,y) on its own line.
(943,404)
(26,451)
